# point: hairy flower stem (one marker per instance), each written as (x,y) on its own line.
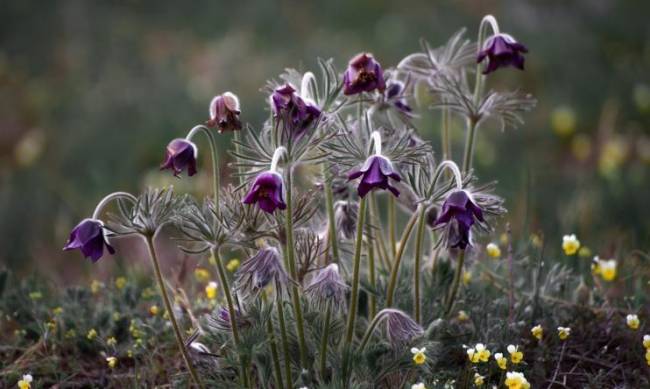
(285,340)
(371,328)
(392,283)
(391,226)
(352,313)
(419,240)
(172,317)
(329,204)
(215,159)
(288,251)
(446,139)
(371,268)
(237,135)
(469,145)
(223,279)
(453,290)
(274,350)
(374,215)
(324,341)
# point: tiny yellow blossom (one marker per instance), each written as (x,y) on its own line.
(201,274)
(501,361)
(418,386)
(478,353)
(120,282)
(57,311)
(232,265)
(647,356)
(479,380)
(134,330)
(467,277)
(516,380)
(646,341)
(148,293)
(418,355)
(112,362)
(116,316)
(536,241)
(563,332)
(111,341)
(493,250)
(570,244)
(462,316)
(515,355)
(503,239)
(92,334)
(129,353)
(51,325)
(563,121)
(632,321)
(36,295)
(96,286)
(70,334)
(608,269)
(584,252)
(537,332)
(211,290)
(26,382)
(153,310)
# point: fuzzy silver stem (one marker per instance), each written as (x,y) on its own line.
(304,85)
(376,138)
(110,197)
(279,152)
(451,165)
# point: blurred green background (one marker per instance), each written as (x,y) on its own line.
(91,92)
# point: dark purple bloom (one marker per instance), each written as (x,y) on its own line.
(300,114)
(502,50)
(180,155)
(267,191)
(224,112)
(327,288)
(375,171)
(395,95)
(459,211)
(258,271)
(88,236)
(364,74)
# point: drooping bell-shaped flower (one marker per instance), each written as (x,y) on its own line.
(181,154)
(288,105)
(502,50)
(400,327)
(224,112)
(345,217)
(364,74)
(459,212)
(327,288)
(259,271)
(375,173)
(220,319)
(267,192)
(89,237)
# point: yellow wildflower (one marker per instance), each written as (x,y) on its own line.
(584,252)
(608,269)
(478,354)
(646,341)
(153,310)
(503,239)
(211,290)
(51,325)
(479,380)
(57,311)
(647,356)
(116,316)
(501,361)
(536,241)
(36,295)
(563,121)
(95,286)
(418,386)
(612,155)
(563,332)
(232,265)
(112,362)
(70,334)
(467,277)
(111,341)
(570,244)
(537,332)
(92,334)
(201,274)
(26,382)
(129,353)
(515,355)
(418,355)
(632,321)
(462,316)
(120,282)
(147,293)
(493,250)
(134,330)
(516,380)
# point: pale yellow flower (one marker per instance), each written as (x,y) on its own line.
(418,386)
(201,274)
(111,341)
(632,321)
(536,241)
(516,380)
(92,334)
(478,353)
(57,310)
(493,250)
(120,282)
(232,265)
(515,355)
(467,277)
(462,316)
(608,269)
(537,332)
(501,361)
(36,295)
(26,382)
(563,332)
(570,244)
(211,290)
(646,341)
(96,286)
(647,356)
(479,380)
(419,356)
(153,310)
(563,121)
(112,362)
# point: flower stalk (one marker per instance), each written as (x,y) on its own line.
(419,240)
(172,317)
(352,313)
(453,290)
(285,342)
(329,206)
(215,159)
(324,341)
(392,283)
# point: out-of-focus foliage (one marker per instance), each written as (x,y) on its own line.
(91,92)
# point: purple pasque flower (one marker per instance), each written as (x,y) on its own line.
(220,319)
(180,155)
(89,237)
(267,191)
(288,105)
(224,112)
(327,288)
(502,50)
(258,271)
(375,173)
(364,74)
(400,327)
(459,212)
(394,95)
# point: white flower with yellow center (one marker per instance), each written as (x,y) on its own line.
(632,321)
(607,269)
(501,361)
(26,382)
(570,244)
(516,380)
(479,380)
(493,250)
(419,356)
(646,341)
(418,386)
(211,290)
(563,332)
(112,362)
(537,332)
(515,355)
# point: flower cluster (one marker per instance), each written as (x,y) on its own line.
(478,353)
